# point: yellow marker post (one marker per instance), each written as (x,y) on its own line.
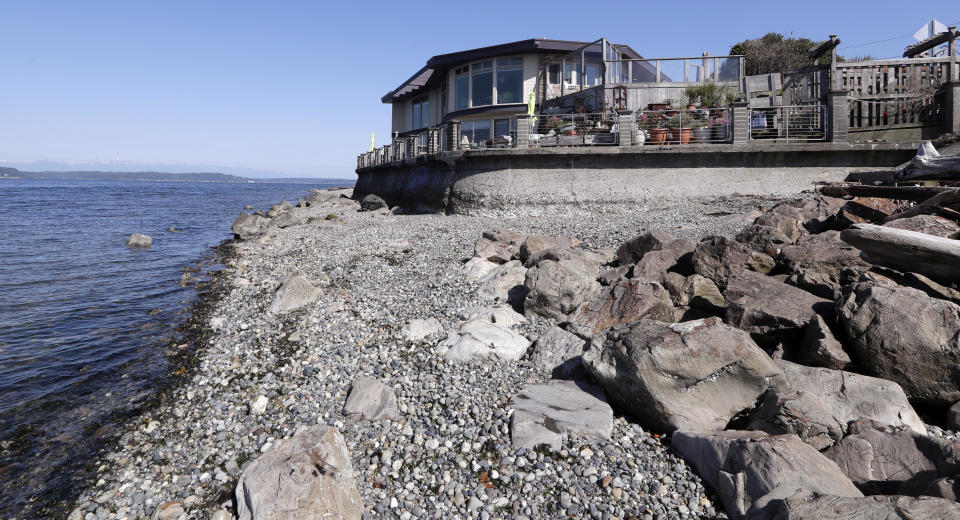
(371,142)
(531,109)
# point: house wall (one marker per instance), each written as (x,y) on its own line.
(399,118)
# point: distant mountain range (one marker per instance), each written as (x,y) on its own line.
(157,176)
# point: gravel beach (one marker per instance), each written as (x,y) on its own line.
(258,376)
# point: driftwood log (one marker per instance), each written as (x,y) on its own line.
(929,164)
(912,193)
(908,251)
(946,204)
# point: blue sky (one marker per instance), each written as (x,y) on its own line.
(294,88)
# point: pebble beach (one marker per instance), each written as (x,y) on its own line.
(257,377)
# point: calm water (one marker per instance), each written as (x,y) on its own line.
(85,322)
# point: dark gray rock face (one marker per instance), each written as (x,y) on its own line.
(819,404)
(701,293)
(820,348)
(309,475)
(653,266)
(716,257)
(821,264)
(904,335)
(556,289)
(372,203)
(753,471)
(765,239)
(786,219)
(545,414)
(248,226)
(694,375)
(633,250)
(625,302)
(560,353)
(371,399)
(761,305)
(899,463)
(890,507)
(533,244)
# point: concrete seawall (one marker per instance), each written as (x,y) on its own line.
(470,180)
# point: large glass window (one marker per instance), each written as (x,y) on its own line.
(462,86)
(509,80)
(421,113)
(570,71)
(482,83)
(475,132)
(593,75)
(553,74)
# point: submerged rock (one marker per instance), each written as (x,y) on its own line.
(138,241)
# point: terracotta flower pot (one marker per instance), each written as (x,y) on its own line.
(658,135)
(680,135)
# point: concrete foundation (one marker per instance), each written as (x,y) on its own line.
(470,180)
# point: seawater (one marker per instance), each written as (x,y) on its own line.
(86,323)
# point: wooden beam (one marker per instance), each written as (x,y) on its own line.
(912,193)
(947,36)
(824,47)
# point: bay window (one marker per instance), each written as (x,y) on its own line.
(488,82)
(509,80)
(482,74)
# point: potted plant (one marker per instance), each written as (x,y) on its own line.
(679,126)
(700,132)
(654,123)
(719,129)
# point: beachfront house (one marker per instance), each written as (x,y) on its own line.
(484,89)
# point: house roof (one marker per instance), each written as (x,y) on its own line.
(436,68)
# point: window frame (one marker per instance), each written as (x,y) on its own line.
(467,70)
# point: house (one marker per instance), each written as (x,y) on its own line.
(485,88)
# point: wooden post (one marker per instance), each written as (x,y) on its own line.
(834,85)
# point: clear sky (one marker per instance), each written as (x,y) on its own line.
(294,88)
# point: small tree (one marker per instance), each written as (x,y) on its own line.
(773,52)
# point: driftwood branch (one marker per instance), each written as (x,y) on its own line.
(908,251)
(945,200)
(912,193)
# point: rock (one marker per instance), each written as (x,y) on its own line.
(502,315)
(761,305)
(221,514)
(476,268)
(623,303)
(306,476)
(559,353)
(248,207)
(738,220)
(752,471)
(765,239)
(138,241)
(899,463)
(829,507)
(248,226)
(259,405)
(933,289)
(479,340)
(615,275)
(862,210)
(279,208)
(654,265)
(372,203)
(295,291)
(504,283)
(701,293)
(821,264)
(785,218)
(545,414)
(820,348)
(555,289)
(846,396)
(716,256)
(689,376)
(632,251)
(953,417)
(903,335)
(583,261)
(929,224)
(371,399)
(533,244)
(168,511)
(492,251)
(287,219)
(418,330)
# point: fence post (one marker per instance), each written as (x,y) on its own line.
(952,100)
(453,135)
(839,115)
(523,131)
(625,121)
(741,122)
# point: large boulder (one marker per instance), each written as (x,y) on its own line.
(862,210)
(504,283)
(761,305)
(371,399)
(626,302)
(820,348)
(904,335)
(555,289)
(248,226)
(533,244)
(309,475)
(277,209)
(929,224)
(692,376)
(753,471)
(633,250)
(296,290)
(287,218)
(765,239)
(545,414)
(717,256)
(654,265)
(700,293)
(821,264)
(574,258)
(479,339)
(786,218)
(559,353)
(138,241)
(899,462)
(372,203)
(820,403)
(476,268)
(877,507)
(498,245)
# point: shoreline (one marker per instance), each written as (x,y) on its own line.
(224,433)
